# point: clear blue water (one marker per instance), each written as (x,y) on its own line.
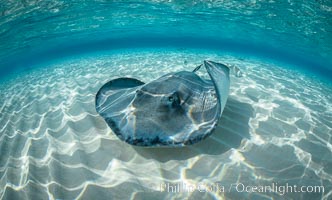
(276,127)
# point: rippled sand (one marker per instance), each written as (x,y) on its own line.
(276,128)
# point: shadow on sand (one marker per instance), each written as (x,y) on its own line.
(232,128)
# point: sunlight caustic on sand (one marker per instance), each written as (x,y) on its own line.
(276,127)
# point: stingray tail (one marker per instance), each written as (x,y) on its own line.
(197,68)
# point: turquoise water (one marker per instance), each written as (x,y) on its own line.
(276,128)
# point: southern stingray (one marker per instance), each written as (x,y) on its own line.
(176,109)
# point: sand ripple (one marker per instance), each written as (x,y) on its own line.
(276,127)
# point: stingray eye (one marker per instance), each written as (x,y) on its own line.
(174,99)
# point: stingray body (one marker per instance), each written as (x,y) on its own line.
(176,109)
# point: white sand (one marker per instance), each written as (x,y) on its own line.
(276,128)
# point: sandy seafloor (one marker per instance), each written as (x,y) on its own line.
(276,129)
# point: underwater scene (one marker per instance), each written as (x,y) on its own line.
(166,99)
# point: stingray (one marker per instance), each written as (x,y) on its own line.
(176,109)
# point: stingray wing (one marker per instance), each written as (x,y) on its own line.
(219,74)
(114,97)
